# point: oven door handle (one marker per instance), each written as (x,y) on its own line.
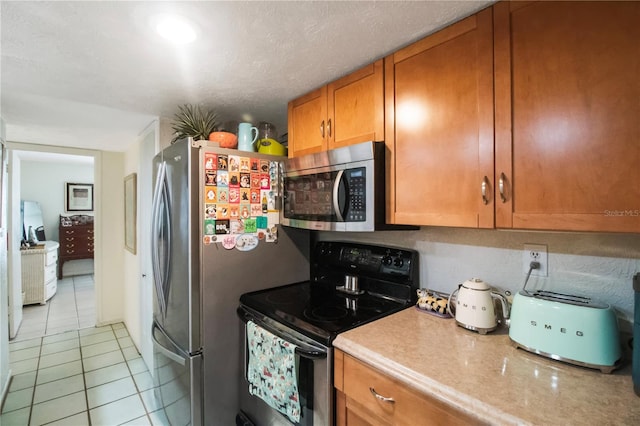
(303,349)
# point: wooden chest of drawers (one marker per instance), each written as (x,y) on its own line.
(76,241)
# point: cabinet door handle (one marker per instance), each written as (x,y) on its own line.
(380,397)
(322,128)
(502,183)
(329,128)
(484,189)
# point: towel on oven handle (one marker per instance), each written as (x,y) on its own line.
(272,371)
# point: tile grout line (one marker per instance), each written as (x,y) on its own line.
(135,384)
(84,375)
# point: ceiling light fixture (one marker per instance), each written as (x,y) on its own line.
(174,28)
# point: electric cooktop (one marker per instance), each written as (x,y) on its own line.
(385,277)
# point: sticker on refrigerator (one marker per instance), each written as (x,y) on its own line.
(261,222)
(255,164)
(210,194)
(250,225)
(234,195)
(264,166)
(210,211)
(222,227)
(222,162)
(234,163)
(210,177)
(222,178)
(223,195)
(209,227)
(228,241)
(246,242)
(210,161)
(222,211)
(272,234)
(245,164)
(256,210)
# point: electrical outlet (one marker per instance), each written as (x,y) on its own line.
(535,253)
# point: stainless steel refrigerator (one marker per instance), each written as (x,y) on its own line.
(199,275)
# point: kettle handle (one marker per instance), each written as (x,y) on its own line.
(505,304)
(450,307)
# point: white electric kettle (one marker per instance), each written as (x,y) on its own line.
(474,309)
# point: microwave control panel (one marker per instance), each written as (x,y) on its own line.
(356,185)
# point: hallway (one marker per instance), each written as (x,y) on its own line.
(66,371)
(93,376)
(72,307)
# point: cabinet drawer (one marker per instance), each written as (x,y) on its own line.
(360,382)
(50,272)
(51,258)
(51,288)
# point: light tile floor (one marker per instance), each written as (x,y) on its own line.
(92,376)
(72,307)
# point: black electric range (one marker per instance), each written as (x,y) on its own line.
(351,284)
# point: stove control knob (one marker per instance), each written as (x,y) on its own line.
(398,262)
(386,261)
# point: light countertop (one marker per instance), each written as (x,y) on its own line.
(487,377)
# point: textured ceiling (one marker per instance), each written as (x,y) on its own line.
(91,74)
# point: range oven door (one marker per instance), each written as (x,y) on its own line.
(315,379)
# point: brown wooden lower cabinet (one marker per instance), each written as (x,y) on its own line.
(395,404)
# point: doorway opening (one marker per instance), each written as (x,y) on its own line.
(70,299)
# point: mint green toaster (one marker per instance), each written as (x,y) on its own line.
(567,328)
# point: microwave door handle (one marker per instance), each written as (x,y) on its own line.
(336,199)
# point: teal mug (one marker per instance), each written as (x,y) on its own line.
(247,135)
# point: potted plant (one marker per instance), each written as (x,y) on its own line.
(193,121)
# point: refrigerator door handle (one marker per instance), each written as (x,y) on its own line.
(174,355)
(160,274)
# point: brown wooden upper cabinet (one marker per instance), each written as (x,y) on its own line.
(567,117)
(439,109)
(344,112)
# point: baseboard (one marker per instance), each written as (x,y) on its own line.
(5,390)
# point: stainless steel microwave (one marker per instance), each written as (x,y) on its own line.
(336,190)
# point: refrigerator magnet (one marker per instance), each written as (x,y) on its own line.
(209,161)
(222,178)
(264,166)
(210,194)
(234,163)
(228,241)
(222,162)
(234,195)
(245,164)
(234,179)
(210,177)
(264,181)
(209,227)
(246,242)
(255,164)
(222,227)
(255,180)
(272,234)
(210,211)
(250,226)
(261,222)
(237,227)
(245,195)
(256,210)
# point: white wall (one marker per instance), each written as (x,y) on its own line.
(109,227)
(44,182)
(4,297)
(600,266)
(131,264)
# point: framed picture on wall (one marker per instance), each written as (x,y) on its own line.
(79,197)
(130,202)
